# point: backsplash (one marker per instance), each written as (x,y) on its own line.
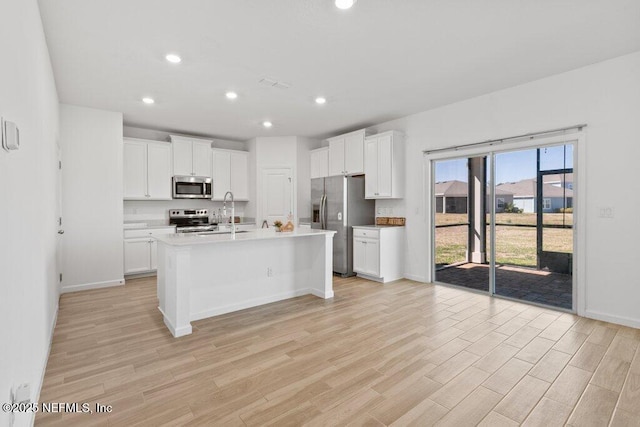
(149,210)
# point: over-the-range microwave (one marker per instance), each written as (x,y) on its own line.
(192,187)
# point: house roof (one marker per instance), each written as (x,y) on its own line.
(453,188)
(457,188)
(527,188)
(567,177)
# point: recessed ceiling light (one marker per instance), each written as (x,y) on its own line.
(173,58)
(267,124)
(345,4)
(231,95)
(321,100)
(148,100)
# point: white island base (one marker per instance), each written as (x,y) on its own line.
(204,276)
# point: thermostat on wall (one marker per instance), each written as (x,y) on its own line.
(10,135)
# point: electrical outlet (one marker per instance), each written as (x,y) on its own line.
(269,272)
(606,212)
(379,211)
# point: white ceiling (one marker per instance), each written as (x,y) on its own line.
(380,60)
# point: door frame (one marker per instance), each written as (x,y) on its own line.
(578,139)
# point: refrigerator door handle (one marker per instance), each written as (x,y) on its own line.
(323,215)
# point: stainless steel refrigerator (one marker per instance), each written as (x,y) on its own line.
(338,203)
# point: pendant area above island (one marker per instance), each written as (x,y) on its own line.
(201,276)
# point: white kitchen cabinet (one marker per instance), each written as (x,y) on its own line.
(230,173)
(147,170)
(141,249)
(377,252)
(191,156)
(137,255)
(384,166)
(346,153)
(319,163)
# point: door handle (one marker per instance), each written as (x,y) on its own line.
(323,213)
(60,231)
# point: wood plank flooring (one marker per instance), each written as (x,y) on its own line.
(399,354)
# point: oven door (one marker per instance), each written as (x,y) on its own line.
(191,187)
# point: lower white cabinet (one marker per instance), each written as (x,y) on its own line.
(377,252)
(141,249)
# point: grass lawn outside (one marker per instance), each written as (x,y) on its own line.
(514,245)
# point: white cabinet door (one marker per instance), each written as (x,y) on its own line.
(202,159)
(372,257)
(221,173)
(182,158)
(137,256)
(336,157)
(319,163)
(153,250)
(238,175)
(371,168)
(135,170)
(354,154)
(359,256)
(385,160)
(159,171)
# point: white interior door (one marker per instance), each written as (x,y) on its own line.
(277,195)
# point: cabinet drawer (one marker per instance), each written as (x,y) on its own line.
(366,232)
(146,232)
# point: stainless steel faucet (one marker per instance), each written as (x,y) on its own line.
(233,212)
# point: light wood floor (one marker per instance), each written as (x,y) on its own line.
(398,354)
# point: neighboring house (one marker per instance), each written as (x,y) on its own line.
(564,180)
(451,197)
(555,196)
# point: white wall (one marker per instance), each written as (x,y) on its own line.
(282,152)
(605,96)
(158,135)
(28,232)
(303,147)
(92,206)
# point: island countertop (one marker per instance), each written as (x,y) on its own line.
(188,239)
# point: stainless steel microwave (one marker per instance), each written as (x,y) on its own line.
(192,187)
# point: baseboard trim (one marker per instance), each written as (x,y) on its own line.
(321,294)
(248,304)
(94,285)
(416,278)
(54,322)
(620,320)
(176,332)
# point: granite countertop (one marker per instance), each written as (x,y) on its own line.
(189,239)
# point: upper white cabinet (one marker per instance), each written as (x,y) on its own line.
(384,166)
(147,170)
(346,153)
(191,156)
(319,163)
(230,173)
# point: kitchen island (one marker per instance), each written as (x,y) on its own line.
(200,276)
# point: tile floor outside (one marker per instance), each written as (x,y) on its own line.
(528,284)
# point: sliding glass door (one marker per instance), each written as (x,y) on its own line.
(503,223)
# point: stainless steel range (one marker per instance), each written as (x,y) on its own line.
(191,220)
